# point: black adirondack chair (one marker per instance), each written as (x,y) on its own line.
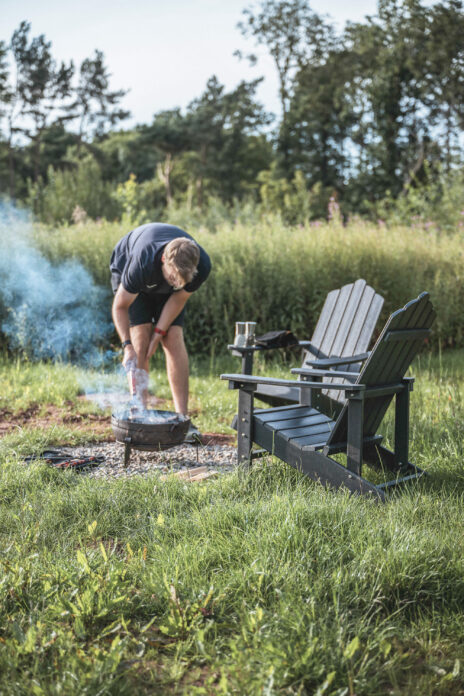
(340,341)
(305,437)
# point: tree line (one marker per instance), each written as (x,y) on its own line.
(368,113)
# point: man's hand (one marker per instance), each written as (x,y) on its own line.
(173,307)
(154,343)
(121,303)
(129,356)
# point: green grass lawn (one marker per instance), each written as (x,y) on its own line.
(266,584)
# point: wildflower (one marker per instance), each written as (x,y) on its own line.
(334,209)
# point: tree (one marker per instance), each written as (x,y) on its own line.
(221,126)
(41,97)
(122,153)
(294,35)
(40,87)
(386,93)
(168,134)
(442,68)
(5,96)
(320,120)
(4,76)
(95,106)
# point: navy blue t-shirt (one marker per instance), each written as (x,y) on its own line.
(136,259)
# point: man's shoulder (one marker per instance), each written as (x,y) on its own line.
(205,262)
(159,232)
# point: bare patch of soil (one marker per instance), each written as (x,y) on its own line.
(46,416)
(217,439)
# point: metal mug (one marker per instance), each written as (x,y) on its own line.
(250,333)
(240,339)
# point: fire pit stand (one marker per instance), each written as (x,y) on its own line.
(151,431)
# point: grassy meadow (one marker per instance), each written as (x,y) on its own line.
(279,276)
(266,584)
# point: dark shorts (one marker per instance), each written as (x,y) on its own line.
(146,309)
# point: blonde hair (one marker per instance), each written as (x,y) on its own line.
(183,256)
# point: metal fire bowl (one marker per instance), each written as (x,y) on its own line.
(150,436)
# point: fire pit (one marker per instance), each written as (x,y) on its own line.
(149,430)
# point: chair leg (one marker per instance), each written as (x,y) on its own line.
(402,425)
(309,397)
(247,363)
(354,450)
(244,427)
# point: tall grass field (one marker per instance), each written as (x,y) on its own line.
(258,584)
(279,275)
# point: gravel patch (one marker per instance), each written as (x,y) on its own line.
(218,458)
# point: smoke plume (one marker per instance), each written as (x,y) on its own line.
(48,311)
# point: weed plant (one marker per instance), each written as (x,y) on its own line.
(259,584)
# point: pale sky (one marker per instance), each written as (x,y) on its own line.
(162,51)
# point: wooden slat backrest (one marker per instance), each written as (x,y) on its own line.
(325,319)
(389,361)
(346,324)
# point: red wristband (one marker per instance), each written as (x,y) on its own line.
(160,331)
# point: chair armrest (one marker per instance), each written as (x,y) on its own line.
(324,373)
(235,380)
(307,345)
(328,362)
(252,349)
(244,349)
(256,349)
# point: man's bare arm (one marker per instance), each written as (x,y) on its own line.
(120,312)
(170,311)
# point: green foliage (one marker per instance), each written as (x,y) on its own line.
(291,199)
(41,96)
(279,276)
(242,585)
(55,200)
(122,153)
(128,200)
(90,242)
(437,202)
(362,111)
(24,383)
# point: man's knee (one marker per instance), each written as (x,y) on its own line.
(174,340)
(140,337)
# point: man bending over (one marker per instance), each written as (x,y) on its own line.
(154,270)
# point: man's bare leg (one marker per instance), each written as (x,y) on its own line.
(140,337)
(177,367)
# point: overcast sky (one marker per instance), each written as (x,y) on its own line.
(162,51)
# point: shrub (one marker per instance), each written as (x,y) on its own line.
(54,201)
(438,203)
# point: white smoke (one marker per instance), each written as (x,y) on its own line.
(48,311)
(56,312)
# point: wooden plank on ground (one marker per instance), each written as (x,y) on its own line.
(187,473)
(204,476)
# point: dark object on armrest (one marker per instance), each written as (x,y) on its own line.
(277,339)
